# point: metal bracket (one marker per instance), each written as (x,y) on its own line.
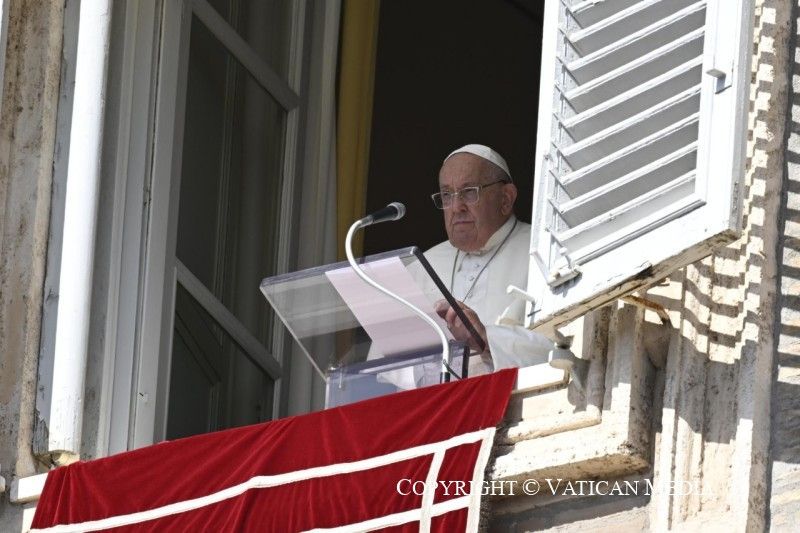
(519,294)
(562,274)
(644,303)
(558,277)
(513,312)
(724,78)
(558,338)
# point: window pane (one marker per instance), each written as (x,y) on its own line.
(213,384)
(231,181)
(265,25)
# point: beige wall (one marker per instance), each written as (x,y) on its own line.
(27,135)
(784,457)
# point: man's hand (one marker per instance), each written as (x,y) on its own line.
(457,328)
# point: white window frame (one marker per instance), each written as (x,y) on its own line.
(143,271)
(161,269)
(133,159)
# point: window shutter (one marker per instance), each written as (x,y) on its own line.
(640,145)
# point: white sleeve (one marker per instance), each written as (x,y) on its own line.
(517,346)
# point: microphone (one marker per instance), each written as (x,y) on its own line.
(393,211)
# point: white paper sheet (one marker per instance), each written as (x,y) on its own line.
(393,328)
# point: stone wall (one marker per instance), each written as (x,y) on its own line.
(785,452)
(27,136)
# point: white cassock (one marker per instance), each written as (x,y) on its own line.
(509,345)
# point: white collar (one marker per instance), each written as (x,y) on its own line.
(492,243)
(496,238)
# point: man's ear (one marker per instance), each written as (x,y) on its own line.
(509,197)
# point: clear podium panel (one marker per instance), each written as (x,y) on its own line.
(359,381)
(357,338)
(387,375)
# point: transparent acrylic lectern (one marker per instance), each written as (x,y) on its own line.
(360,341)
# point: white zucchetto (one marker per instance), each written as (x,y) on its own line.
(483,152)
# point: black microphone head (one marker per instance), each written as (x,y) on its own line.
(393,211)
(401,210)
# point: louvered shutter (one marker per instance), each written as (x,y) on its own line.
(640,145)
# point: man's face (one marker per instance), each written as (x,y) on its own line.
(470,226)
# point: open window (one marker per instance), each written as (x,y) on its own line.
(640,146)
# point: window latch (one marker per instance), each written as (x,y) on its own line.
(723,77)
(560,275)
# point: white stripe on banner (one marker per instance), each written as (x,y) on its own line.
(398,518)
(474,513)
(428,495)
(472,501)
(261,482)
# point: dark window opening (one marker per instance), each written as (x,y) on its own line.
(449,73)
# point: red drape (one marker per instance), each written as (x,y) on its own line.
(212,471)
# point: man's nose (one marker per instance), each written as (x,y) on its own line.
(459,204)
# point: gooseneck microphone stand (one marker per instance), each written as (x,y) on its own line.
(394,211)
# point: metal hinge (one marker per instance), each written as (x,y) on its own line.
(559,276)
(723,77)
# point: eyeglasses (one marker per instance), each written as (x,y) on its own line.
(468,195)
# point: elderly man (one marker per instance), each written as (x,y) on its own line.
(486,250)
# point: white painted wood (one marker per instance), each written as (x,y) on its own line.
(631,156)
(638,71)
(131,173)
(288,232)
(632,46)
(162,271)
(630,130)
(601,199)
(300,390)
(151,370)
(27,489)
(607,112)
(80,223)
(623,23)
(640,147)
(294,145)
(589,12)
(546,123)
